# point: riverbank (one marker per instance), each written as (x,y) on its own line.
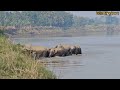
(15,65)
(39,32)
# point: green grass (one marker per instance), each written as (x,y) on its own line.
(15,65)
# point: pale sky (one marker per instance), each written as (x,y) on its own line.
(88,13)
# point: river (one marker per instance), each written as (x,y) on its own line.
(100,58)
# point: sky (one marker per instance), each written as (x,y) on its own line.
(88,13)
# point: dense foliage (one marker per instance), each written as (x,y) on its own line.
(50,18)
(81,21)
(36,18)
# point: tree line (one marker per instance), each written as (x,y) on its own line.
(51,18)
(36,18)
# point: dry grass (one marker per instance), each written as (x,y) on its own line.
(15,65)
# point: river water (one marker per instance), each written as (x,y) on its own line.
(100,58)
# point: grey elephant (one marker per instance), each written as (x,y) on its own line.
(37,51)
(68,48)
(57,51)
(78,50)
(40,53)
(51,52)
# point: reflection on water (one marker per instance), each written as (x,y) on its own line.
(100,58)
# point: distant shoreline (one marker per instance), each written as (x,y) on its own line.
(88,30)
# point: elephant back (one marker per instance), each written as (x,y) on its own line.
(38,48)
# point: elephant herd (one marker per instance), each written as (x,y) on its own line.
(60,50)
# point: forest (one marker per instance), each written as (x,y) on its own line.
(60,19)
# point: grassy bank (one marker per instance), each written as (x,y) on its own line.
(15,65)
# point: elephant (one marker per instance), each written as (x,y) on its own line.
(39,54)
(60,52)
(68,48)
(37,51)
(51,52)
(78,50)
(57,51)
(72,49)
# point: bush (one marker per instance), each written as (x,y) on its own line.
(15,65)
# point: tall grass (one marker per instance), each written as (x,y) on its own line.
(15,65)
